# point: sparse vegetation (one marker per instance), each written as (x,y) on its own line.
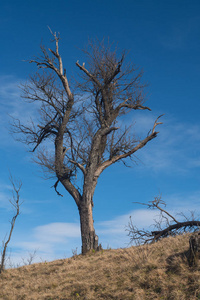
(156,271)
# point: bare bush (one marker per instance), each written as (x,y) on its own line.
(166,225)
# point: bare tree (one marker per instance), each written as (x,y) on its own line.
(29,260)
(15,203)
(166,225)
(85,127)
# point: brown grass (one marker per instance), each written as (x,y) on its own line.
(158,271)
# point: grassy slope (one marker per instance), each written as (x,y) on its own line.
(157,271)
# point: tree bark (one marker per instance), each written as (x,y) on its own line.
(88,235)
(194,250)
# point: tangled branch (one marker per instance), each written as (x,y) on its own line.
(172,225)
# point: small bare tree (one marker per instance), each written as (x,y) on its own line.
(166,225)
(29,260)
(86,127)
(16,205)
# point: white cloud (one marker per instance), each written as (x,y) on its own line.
(141,217)
(184,202)
(174,150)
(56,240)
(52,240)
(57,232)
(113,233)
(5,195)
(13,106)
(9,88)
(4,200)
(176,147)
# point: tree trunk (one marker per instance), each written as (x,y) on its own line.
(88,236)
(194,250)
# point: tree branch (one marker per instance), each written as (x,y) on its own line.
(15,203)
(55,187)
(116,158)
(156,235)
(88,74)
(47,62)
(72,190)
(131,106)
(157,123)
(146,236)
(155,204)
(81,167)
(116,71)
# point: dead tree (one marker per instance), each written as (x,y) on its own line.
(84,127)
(171,226)
(15,203)
(194,249)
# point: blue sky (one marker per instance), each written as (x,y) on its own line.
(163,38)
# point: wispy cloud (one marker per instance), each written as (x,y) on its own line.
(56,240)
(141,217)
(5,195)
(11,103)
(12,106)
(51,240)
(57,232)
(9,88)
(184,202)
(4,200)
(114,234)
(175,148)
(179,33)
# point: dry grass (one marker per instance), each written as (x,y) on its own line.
(157,271)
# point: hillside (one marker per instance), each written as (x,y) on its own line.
(157,271)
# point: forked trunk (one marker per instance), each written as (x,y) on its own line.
(88,236)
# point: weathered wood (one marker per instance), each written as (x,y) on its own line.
(194,249)
(156,235)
